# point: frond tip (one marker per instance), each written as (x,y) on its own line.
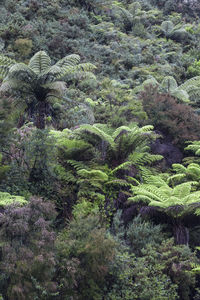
(40,62)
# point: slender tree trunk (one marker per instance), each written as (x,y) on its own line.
(40,117)
(181,234)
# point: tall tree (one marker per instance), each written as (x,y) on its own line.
(38,85)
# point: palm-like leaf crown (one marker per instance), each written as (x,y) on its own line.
(192,87)
(39,69)
(126,146)
(40,82)
(39,73)
(175,201)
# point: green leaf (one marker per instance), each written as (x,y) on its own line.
(40,62)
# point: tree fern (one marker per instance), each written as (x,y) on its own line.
(192,87)
(39,81)
(168,85)
(177,202)
(167,197)
(177,32)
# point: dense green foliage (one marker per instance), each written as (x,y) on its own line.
(99,150)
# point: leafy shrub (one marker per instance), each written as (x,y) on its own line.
(85,242)
(160,271)
(27,250)
(174,119)
(140,233)
(23,46)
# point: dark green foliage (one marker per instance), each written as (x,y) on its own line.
(139,234)
(7,120)
(160,271)
(88,247)
(29,157)
(27,251)
(117,104)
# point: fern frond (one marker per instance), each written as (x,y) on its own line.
(147,128)
(21,72)
(145,173)
(7,199)
(156,180)
(68,61)
(148,82)
(194,147)
(77,165)
(132,180)
(169,84)
(3,71)
(140,198)
(84,67)
(174,179)
(120,131)
(5,64)
(179,168)
(194,170)
(94,130)
(124,166)
(182,190)
(192,82)
(153,192)
(180,95)
(119,182)
(140,159)
(93,175)
(6,61)
(64,175)
(40,62)
(50,73)
(167,27)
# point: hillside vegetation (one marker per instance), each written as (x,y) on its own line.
(99,150)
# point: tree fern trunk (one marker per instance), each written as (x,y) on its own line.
(181,234)
(40,117)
